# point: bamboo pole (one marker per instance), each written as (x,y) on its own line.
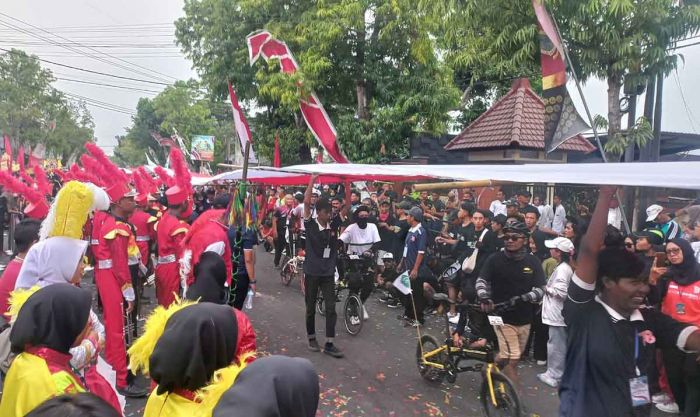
(459,184)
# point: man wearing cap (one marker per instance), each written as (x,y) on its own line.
(170,231)
(513,276)
(648,242)
(116,244)
(669,227)
(413,254)
(512,212)
(523,198)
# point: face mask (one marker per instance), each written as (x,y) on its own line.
(362,223)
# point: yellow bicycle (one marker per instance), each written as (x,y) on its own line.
(439,361)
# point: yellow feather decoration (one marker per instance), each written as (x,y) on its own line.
(18,298)
(222,380)
(140,352)
(72,205)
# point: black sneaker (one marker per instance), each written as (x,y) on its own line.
(133,391)
(332,350)
(393,303)
(385,298)
(313,345)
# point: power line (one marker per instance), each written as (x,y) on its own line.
(685,103)
(107,85)
(79,51)
(93,72)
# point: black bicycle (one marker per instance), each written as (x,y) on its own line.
(439,361)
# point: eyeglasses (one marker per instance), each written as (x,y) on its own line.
(513,237)
(675,251)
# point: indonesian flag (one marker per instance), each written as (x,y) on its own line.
(241,124)
(278,161)
(20,158)
(262,43)
(8,152)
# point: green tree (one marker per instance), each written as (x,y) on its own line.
(33,112)
(373,64)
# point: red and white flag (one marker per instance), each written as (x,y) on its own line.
(241,124)
(277,163)
(262,43)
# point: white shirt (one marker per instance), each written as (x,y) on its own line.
(696,249)
(559,220)
(360,240)
(498,207)
(615,217)
(555,294)
(546,216)
(298,213)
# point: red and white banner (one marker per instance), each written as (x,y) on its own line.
(262,43)
(241,124)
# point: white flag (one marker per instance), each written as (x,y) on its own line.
(403,283)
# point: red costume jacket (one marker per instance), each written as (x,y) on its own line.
(208,234)
(169,232)
(113,250)
(145,232)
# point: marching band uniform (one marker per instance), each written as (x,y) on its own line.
(207,234)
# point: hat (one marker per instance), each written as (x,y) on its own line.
(654,236)
(114,179)
(500,219)
(384,203)
(182,190)
(38,207)
(388,255)
(316,192)
(561,243)
(404,205)
(653,211)
(511,202)
(416,213)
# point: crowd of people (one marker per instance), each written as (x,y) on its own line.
(611,318)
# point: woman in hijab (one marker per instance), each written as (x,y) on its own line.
(680,292)
(209,286)
(50,322)
(273,386)
(188,350)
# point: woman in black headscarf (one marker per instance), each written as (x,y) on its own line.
(273,386)
(50,322)
(680,292)
(196,349)
(210,278)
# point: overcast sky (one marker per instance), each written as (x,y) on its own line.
(141,33)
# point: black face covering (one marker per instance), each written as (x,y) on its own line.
(210,278)
(362,223)
(52,317)
(197,341)
(273,386)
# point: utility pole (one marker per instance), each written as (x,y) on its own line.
(655,148)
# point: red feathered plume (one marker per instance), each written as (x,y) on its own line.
(114,174)
(201,220)
(148,181)
(91,165)
(83,176)
(183,178)
(16,186)
(26,178)
(139,182)
(165,178)
(42,181)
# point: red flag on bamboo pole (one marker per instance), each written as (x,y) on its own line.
(8,152)
(20,158)
(277,163)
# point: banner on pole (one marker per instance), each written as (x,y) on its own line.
(202,148)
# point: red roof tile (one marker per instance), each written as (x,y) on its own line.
(515,119)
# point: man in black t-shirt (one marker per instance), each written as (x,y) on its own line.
(531,217)
(517,277)
(612,339)
(280,220)
(320,265)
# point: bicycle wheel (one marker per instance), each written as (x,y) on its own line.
(430,373)
(505,397)
(287,273)
(352,311)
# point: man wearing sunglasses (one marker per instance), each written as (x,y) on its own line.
(514,276)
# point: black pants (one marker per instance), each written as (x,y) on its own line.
(239,291)
(684,379)
(539,335)
(418,298)
(326,284)
(280,245)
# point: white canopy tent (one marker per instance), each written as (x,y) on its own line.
(682,175)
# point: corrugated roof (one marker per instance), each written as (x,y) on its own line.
(517,118)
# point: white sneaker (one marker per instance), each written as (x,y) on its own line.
(89,268)
(454,318)
(669,407)
(660,398)
(546,379)
(354,320)
(364,313)
(541,363)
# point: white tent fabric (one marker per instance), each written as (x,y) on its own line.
(256,174)
(683,175)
